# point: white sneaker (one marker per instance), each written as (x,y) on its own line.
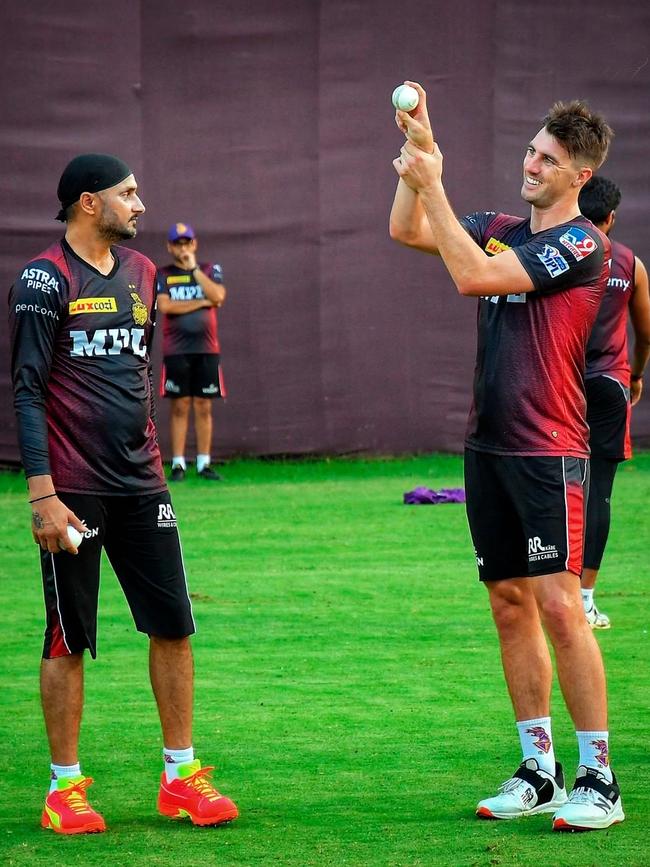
(594,803)
(530,790)
(596,619)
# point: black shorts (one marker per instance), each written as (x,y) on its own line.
(608,417)
(526,514)
(141,541)
(192,376)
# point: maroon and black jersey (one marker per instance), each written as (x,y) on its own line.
(195,332)
(81,372)
(529,396)
(607,346)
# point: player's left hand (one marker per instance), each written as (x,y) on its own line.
(636,388)
(418,169)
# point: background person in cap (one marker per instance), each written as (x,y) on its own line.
(189,295)
(612,387)
(81,328)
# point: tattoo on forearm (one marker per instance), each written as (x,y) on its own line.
(37,521)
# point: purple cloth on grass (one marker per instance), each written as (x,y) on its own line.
(425,496)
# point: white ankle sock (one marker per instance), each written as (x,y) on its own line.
(536,742)
(594,751)
(202,461)
(587,598)
(58,772)
(179,461)
(174,758)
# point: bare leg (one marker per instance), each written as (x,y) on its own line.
(62,686)
(178,423)
(579,663)
(588,579)
(203,425)
(172,677)
(524,652)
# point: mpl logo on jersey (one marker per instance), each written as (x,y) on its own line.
(579,243)
(166,516)
(109,341)
(186,293)
(553,261)
(92,305)
(537,551)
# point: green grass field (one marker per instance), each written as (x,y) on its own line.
(349,687)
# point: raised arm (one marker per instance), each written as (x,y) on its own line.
(408,222)
(473,272)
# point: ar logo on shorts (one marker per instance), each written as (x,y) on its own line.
(166,516)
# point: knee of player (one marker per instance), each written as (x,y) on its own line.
(562,615)
(181,406)
(510,603)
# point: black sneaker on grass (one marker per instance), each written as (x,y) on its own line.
(209,474)
(530,790)
(177,474)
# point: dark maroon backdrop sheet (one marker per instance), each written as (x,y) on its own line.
(268,126)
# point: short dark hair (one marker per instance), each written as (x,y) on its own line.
(66,214)
(582,132)
(598,198)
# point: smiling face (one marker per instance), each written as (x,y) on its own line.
(118,211)
(550,174)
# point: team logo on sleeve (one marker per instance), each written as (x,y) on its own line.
(551,259)
(138,309)
(493,246)
(578,242)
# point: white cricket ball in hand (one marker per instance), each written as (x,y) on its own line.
(74,535)
(405,97)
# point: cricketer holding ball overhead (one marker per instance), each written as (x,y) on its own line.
(538,283)
(81,321)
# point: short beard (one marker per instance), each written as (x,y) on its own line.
(110,231)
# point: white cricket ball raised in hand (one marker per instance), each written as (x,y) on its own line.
(405,97)
(74,535)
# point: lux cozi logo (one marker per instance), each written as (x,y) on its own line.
(109,341)
(92,305)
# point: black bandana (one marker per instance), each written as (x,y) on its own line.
(89,173)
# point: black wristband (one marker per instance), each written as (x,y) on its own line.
(636,377)
(37,499)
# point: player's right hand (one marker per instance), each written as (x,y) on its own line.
(415,124)
(50,519)
(188,260)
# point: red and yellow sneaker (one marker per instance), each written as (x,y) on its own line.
(67,810)
(193,795)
